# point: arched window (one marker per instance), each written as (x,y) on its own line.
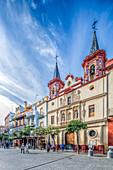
(69,116)
(75,114)
(69,83)
(92,72)
(63,116)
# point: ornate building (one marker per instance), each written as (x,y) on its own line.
(90,101)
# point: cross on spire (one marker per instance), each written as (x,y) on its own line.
(93,25)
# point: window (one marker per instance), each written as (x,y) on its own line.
(41,110)
(69,83)
(52,120)
(20,122)
(91,110)
(53,91)
(69,116)
(57,87)
(75,114)
(63,116)
(16,123)
(32,121)
(69,100)
(42,124)
(92,133)
(28,121)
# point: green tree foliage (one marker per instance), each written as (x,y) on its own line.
(27,130)
(76,126)
(15,133)
(53,131)
(40,131)
(4,136)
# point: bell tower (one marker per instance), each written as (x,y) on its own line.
(56,83)
(94,63)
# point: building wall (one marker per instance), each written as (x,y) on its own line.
(84,97)
(42,120)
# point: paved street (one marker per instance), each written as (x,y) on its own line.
(12,159)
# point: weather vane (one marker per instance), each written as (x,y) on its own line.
(56,57)
(93,25)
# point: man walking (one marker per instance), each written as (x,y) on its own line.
(22,148)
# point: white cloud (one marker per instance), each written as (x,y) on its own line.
(6,105)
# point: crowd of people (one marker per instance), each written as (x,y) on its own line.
(26,148)
(5,145)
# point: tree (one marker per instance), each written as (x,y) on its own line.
(4,136)
(53,131)
(76,126)
(15,133)
(40,131)
(27,131)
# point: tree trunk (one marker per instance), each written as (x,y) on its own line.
(77,142)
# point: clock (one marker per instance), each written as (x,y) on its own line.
(92,70)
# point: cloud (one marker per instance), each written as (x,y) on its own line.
(27,55)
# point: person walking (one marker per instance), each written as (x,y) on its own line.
(53,146)
(22,148)
(48,147)
(62,146)
(27,148)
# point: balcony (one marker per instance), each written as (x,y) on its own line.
(41,115)
(30,114)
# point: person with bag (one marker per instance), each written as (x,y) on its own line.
(27,148)
(22,148)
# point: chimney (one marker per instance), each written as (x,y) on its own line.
(25,104)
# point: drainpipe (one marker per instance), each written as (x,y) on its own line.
(107,86)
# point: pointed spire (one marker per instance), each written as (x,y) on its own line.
(94,45)
(56,72)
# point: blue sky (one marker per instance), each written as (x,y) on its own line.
(32,32)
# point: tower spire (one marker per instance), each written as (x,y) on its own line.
(56,72)
(94,45)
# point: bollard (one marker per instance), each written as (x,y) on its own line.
(110,152)
(90,151)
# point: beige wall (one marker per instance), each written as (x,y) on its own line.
(87,97)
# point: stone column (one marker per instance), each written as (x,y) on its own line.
(79,112)
(72,112)
(101,135)
(85,136)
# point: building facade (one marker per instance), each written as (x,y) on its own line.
(11,123)
(7,124)
(2,129)
(89,100)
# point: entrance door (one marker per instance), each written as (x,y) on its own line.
(70,138)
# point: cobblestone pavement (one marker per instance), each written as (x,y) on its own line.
(12,159)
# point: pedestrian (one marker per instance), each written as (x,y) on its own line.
(53,146)
(62,146)
(22,148)
(48,147)
(27,148)
(4,145)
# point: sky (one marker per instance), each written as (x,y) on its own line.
(32,32)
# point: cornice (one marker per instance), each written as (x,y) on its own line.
(78,102)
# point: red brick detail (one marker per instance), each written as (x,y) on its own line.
(109,62)
(110,132)
(69,76)
(78,78)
